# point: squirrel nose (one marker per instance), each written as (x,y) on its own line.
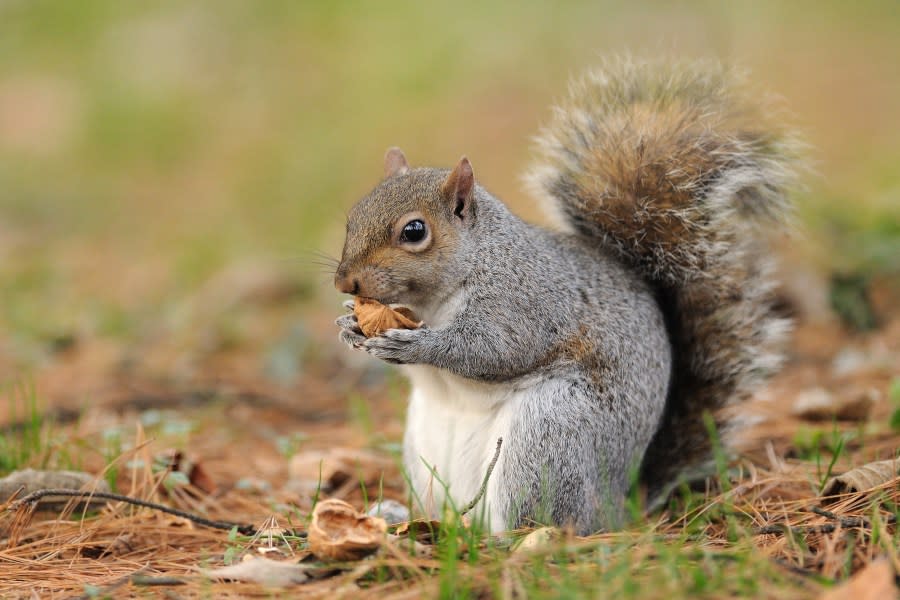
(346,285)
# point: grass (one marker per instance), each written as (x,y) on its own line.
(894,395)
(24,438)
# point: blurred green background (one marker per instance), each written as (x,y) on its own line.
(147,146)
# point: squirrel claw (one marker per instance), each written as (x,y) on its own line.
(350,334)
(348,322)
(354,340)
(396,346)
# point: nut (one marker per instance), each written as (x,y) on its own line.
(375,318)
(339,532)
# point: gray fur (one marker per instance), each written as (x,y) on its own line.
(531,297)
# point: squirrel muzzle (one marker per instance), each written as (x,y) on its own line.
(346,284)
(365,281)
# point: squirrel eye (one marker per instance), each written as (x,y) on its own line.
(414,231)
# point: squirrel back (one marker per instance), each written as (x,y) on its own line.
(676,169)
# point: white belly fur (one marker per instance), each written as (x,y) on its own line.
(453,424)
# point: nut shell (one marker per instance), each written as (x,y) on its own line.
(339,532)
(375,318)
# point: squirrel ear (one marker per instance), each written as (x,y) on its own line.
(459,188)
(395,163)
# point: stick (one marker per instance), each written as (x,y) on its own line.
(106,592)
(490,469)
(843,522)
(35,496)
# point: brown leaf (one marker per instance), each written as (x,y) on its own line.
(874,582)
(863,478)
(339,532)
(260,570)
(423,530)
(178,462)
(375,318)
(201,479)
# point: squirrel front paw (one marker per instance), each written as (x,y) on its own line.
(350,334)
(398,346)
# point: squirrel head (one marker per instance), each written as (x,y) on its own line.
(403,241)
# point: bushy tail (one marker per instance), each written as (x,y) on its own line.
(677,169)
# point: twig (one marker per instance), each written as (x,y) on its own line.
(33,497)
(843,522)
(770,529)
(106,591)
(145,581)
(806,573)
(490,469)
(782,528)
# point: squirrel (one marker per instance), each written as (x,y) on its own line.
(595,349)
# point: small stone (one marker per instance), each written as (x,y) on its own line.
(391,511)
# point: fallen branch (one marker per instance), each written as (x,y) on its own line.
(106,591)
(34,497)
(145,581)
(842,522)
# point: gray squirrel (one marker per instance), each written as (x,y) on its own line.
(594,350)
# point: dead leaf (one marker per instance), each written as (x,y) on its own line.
(863,478)
(193,469)
(123,544)
(202,480)
(538,539)
(375,318)
(266,571)
(874,582)
(340,532)
(422,530)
